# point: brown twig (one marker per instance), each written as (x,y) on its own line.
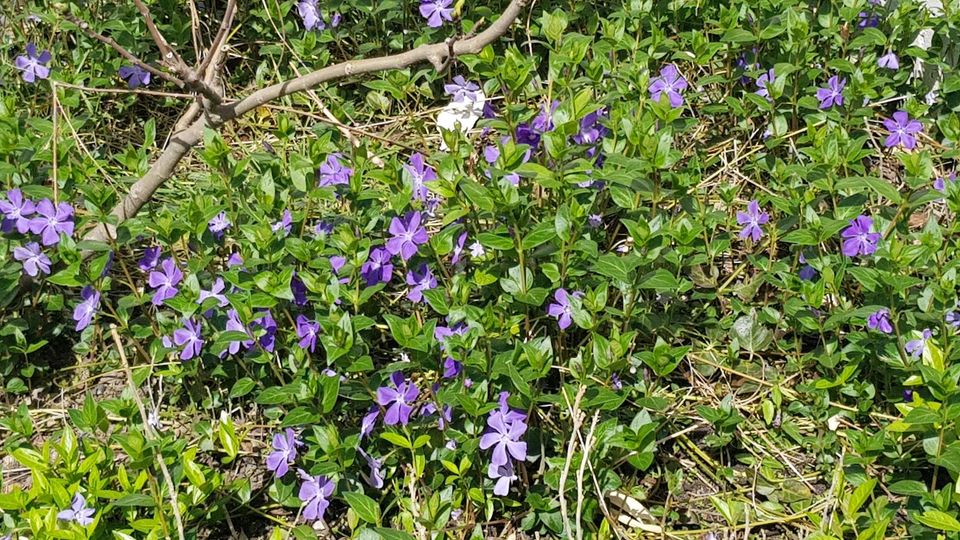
(221,38)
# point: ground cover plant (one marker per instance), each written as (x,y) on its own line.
(437,269)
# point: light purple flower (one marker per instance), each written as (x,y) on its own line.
(315,492)
(398,400)
(915,347)
(377,268)
(284,452)
(859,238)
(235,259)
(505,438)
(461,89)
(151,256)
(323,228)
(762,81)
(333,173)
(165,282)
(78,511)
(832,94)
(215,292)
(52,220)
(420,280)
(491,154)
(234,325)
(336,263)
(441,333)
(285,224)
(615,382)
(16,211)
(218,225)
(189,337)
(670,83)
(902,130)
(880,321)
(34,261)
(375,478)
(595,221)
(429,409)
(953,317)
(369,421)
(436,11)
(269,339)
(307,331)
(504,475)
(940,184)
(135,76)
(335,19)
(561,309)
(889,61)
(751,220)
(87,308)
(407,235)
(458,248)
(33,65)
(310,14)
(420,173)
(451,368)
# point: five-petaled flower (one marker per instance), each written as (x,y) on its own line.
(880,321)
(436,11)
(310,14)
(284,452)
(915,347)
(504,475)
(307,331)
(135,76)
(285,224)
(87,308)
(763,84)
(52,220)
(889,61)
(420,280)
(16,212)
(33,65)
(420,174)
(751,220)
(859,238)
(670,83)
(151,256)
(315,492)
(333,173)
(78,511)
(902,130)
(34,261)
(165,281)
(461,89)
(218,225)
(407,235)
(505,438)
(189,337)
(398,400)
(377,268)
(832,94)
(215,292)
(562,310)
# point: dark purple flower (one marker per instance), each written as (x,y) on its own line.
(34,261)
(670,83)
(420,280)
(151,256)
(527,135)
(505,438)
(269,339)
(867,19)
(561,309)
(315,492)
(420,174)
(832,94)
(111,256)
(807,273)
(218,225)
(407,235)
(458,248)
(451,368)
(235,259)
(51,221)
(16,212)
(333,173)
(615,382)
(902,130)
(284,452)
(762,81)
(953,317)
(135,76)
(369,421)
(880,321)
(323,228)
(310,14)
(915,347)
(375,478)
(285,224)
(78,511)
(461,89)
(33,65)
(234,325)
(307,331)
(189,337)
(859,237)
(165,282)
(299,290)
(87,308)
(751,220)
(543,122)
(591,131)
(377,268)
(398,400)
(504,475)
(889,61)
(335,19)
(436,11)
(908,395)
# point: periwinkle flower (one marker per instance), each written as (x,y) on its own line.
(16,212)
(235,325)
(299,290)
(491,154)
(763,90)
(476,250)
(284,452)
(377,268)
(751,220)
(375,478)
(78,511)
(408,234)
(953,317)
(51,221)
(832,94)
(441,333)
(269,339)
(889,61)
(458,248)
(915,347)
(940,183)
(190,337)
(87,308)
(595,221)
(335,19)
(562,310)
(337,262)
(215,292)
(505,438)
(807,273)
(323,228)
(908,395)
(218,225)
(315,493)
(285,224)
(504,475)
(151,256)
(34,261)
(235,259)
(903,130)
(436,11)
(670,83)
(33,65)
(867,19)
(398,400)
(859,238)
(880,321)
(165,281)
(369,421)
(591,131)
(420,174)
(310,15)
(461,89)
(420,280)
(334,173)
(615,382)
(451,368)
(307,331)
(135,76)
(429,409)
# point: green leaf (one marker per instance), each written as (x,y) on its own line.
(941,521)
(135,499)
(242,387)
(606,400)
(859,496)
(396,439)
(616,266)
(660,280)
(277,395)
(331,391)
(366,508)
(301,416)
(393,534)
(542,233)
(477,194)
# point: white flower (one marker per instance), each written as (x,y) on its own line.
(464,114)
(476,250)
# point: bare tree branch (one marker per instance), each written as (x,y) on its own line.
(221,39)
(169,55)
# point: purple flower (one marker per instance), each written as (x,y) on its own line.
(763,81)
(78,511)
(468,382)
(420,173)
(375,478)
(16,211)
(880,321)
(336,263)
(333,173)
(420,280)
(234,325)
(299,290)
(595,221)
(398,400)
(461,89)
(377,269)
(165,282)
(322,228)
(151,256)
(867,19)
(543,122)
(32,65)
(135,76)
(369,421)
(561,309)
(307,331)
(235,259)
(218,225)
(908,395)
(615,382)
(902,130)
(915,347)
(505,438)
(269,339)
(214,292)
(504,475)
(436,11)
(451,368)
(751,220)
(859,237)
(429,409)
(190,338)
(953,317)
(491,154)
(34,261)
(458,248)
(940,184)
(441,333)
(285,224)
(335,19)
(407,235)
(51,221)
(315,492)
(670,83)
(86,309)
(310,14)
(476,250)
(284,452)
(591,131)
(807,273)
(889,61)
(832,94)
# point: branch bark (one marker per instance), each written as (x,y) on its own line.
(182,142)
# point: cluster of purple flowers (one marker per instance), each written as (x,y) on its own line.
(309,12)
(505,429)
